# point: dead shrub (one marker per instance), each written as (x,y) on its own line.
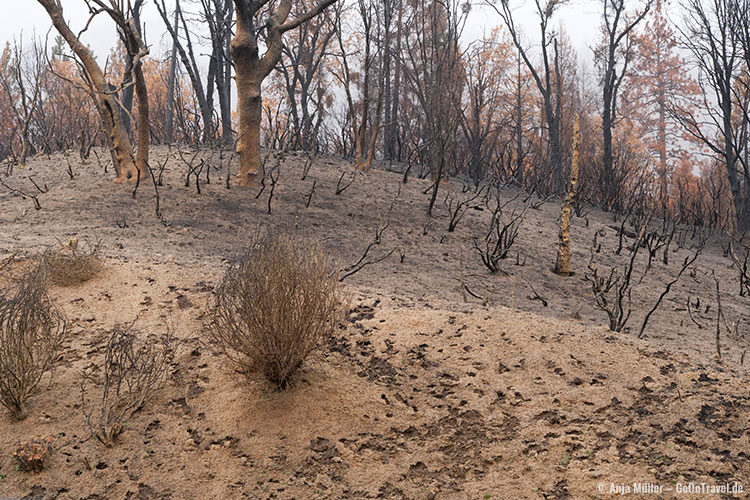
(32,331)
(275,306)
(31,455)
(132,370)
(14,268)
(502,231)
(72,263)
(7,262)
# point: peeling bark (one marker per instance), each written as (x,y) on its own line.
(119,142)
(251,69)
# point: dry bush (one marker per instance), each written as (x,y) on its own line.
(499,239)
(276,305)
(612,291)
(7,262)
(32,454)
(31,334)
(72,263)
(14,268)
(132,370)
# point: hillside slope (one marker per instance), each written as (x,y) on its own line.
(425,392)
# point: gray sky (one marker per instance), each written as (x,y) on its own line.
(28,16)
(580,19)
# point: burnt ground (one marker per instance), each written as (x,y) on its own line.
(426,391)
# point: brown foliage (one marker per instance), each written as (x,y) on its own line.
(131,372)
(275,306)
(31,455)
(31,334)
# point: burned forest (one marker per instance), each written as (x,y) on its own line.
(375,249)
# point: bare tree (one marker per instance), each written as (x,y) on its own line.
(128,85)
(432,70)
(184,47)
(356,77)
(710,33)
(253,16)
(171,82)
(614,56)
(127,21)
(548,80)
(302,68)
(741,27)
(392,16)
(562,265)
(218,16)
(21,76)
(480,122)
(106,101)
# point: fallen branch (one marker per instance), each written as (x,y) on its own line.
(309,196)
(718,319)
(468,290)
(339,188)
(536,296)
(274,179)
(22,194)
(362,262)
(690,313)
(688,262)
(43,191)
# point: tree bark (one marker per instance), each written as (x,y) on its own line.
(169,132)
(143,120)
(251,69)
(187,56)
(120,146)
(562,266)
(136,50)
(249,74)
(249,107)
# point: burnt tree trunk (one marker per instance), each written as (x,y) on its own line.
(251,69)
(562,266)
(169,131)
(119,142)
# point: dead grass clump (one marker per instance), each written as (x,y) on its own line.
(275,306)
(15,267)
(31,334)
(31,455)
(133,369)
(7,262)
(72,263)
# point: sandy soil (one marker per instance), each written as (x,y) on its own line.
(424,392)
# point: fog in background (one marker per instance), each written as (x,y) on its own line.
(579,19)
